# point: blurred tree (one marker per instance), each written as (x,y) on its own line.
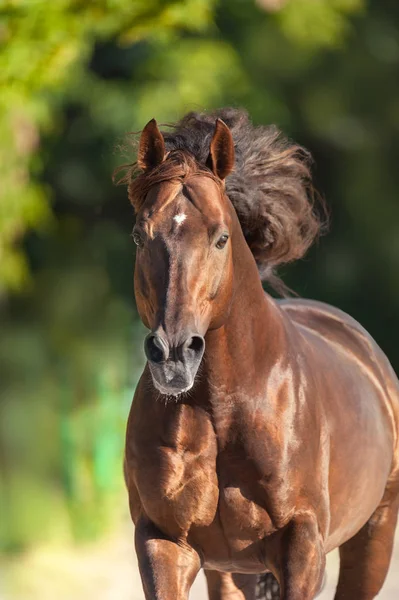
(314,24)
(43,53)
(44,48)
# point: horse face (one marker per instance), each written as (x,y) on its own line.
(183,275)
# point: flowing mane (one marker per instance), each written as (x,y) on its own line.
(270,187)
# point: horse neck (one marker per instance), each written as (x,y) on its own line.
(253,337)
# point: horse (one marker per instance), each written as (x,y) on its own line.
(263,433)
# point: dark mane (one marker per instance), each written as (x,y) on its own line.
(270,187)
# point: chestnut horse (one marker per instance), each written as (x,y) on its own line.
(263,434)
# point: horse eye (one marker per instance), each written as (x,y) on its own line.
(138,240)
(222,241)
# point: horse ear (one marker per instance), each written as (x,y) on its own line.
(221,151)
(151,147)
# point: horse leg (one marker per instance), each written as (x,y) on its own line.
(365,558)
(167,568)
(231,586)
(302,559)
(267,587)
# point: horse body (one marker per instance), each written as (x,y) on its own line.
(228,477)
(358,391)
(286,445)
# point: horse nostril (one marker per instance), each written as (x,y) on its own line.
(196,344)
(155,348)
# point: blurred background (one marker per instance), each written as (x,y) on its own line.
(75,77)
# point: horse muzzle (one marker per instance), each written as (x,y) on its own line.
(174,366)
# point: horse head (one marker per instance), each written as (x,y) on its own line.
(184,264)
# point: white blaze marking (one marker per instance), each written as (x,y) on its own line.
(180,218)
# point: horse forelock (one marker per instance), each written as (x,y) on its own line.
(177,166)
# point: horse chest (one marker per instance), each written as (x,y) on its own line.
(219,497)
(249,507)
(176,474)
(186,495)
(178,490)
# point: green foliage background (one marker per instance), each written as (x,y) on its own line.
(74,78)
